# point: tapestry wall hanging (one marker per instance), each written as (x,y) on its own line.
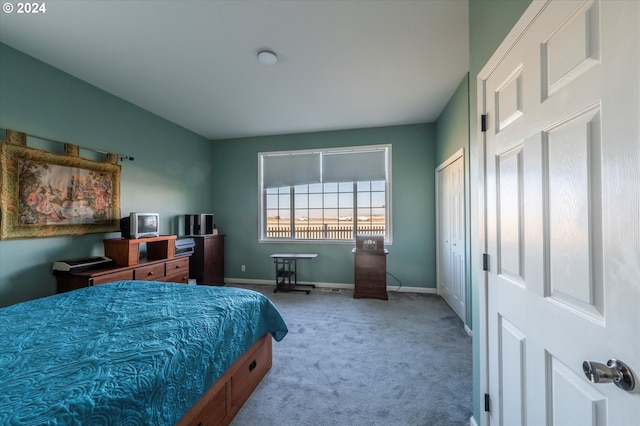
(44,194)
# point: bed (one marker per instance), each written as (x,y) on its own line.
(135,352)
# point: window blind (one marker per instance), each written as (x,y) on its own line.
(290,169)
(353,166)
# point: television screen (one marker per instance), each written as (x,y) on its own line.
(147,224)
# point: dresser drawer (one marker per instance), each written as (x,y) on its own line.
(149,273)
(368,261)
(181,277)
(374,290)
(177,271)
(370,275)
(371,284)
(177,265)
(116,276)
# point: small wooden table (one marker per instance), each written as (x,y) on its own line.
(286,268)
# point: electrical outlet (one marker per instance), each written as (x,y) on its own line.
(243,268)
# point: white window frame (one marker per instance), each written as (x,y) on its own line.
(262,238)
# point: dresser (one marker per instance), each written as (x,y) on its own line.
(159,265)
(169,270)
(206,265)
(370,274)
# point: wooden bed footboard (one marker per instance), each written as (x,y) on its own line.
(224,399)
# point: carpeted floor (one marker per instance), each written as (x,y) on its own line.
(345,361)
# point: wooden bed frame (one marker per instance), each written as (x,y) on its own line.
(224,399)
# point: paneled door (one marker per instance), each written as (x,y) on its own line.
(451,233)
(562,215)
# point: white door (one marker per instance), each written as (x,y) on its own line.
(563,214)
(451,233)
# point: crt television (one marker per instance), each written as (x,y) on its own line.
(140,225)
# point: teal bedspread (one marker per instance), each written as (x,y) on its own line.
(125,353)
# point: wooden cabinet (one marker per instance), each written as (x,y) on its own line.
(206,264)
(160,264)
(126,252)
(167,270)
(370,274)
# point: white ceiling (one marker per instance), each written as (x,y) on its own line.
(342,64)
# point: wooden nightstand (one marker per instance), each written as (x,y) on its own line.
(370,274)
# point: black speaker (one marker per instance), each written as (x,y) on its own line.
(190,224)
(206,224)
(198,224)
(125,227)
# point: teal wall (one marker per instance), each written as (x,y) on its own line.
(452,134)
(170,174)
(489,23)
(452,127)
(412,254)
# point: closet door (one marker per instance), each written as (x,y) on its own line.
(451,233)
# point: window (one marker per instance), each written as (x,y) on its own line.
(325,195)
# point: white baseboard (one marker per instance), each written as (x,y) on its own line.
(472,421)
(468,330)
(423,290)
(247,281)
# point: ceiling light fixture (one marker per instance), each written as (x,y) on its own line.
(266,57)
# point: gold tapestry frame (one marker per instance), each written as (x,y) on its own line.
(44,194)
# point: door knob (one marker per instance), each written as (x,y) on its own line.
(615,371)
